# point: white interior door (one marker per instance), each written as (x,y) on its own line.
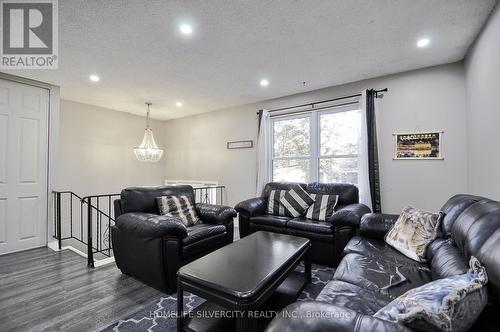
(23,166)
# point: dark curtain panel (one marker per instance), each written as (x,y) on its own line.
(373,168)
(260,119)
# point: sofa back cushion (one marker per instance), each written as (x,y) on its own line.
(143,199)
(475,225)
(489,256)
(348,193)
(453,208)
(474,232)
(279,186)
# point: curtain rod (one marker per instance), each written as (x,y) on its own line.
(324,101)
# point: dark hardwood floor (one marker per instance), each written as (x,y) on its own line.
(43,290)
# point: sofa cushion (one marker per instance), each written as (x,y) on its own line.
(178,207)
(202,231)
(378,249)
(344,294)
(270,220)
(323,206)
(449,304)
(310,225)
(274,205)
(413,231)
(296,201)
(378,275)
(446,259)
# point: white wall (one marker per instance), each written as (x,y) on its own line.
(426,99)
(482,74)
(96,150)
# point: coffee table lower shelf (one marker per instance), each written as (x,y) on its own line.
(204,318)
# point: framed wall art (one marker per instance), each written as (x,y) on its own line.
(418,146)
(240,145)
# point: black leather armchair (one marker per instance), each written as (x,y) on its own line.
(372,273)
(328,238)
(152,247)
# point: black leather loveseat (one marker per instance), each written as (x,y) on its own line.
(328,238)
(362,282)
(151,247)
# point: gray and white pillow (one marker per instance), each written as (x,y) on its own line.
(450,304)
(274,205)
(323,206)
(296,201)
(178,207)
(413,231)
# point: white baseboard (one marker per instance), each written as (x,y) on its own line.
(104,261)
(54,245)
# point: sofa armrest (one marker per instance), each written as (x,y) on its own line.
(376,225)
(151,225)
(253,206)
(215,214)
(349,215)
(317,316)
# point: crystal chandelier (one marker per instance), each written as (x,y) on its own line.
(148,150)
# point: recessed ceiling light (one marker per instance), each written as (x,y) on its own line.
(178,104)
(423,42)
(94,78)
(264,82)
(186,29)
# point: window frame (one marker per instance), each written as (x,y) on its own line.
(290,117)
(314,138)
(339,109)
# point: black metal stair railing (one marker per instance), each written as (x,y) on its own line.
(88,220)
(87,211)
(100,209)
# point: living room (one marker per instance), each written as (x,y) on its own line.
(259,157)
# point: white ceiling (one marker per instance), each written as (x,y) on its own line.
(137,50)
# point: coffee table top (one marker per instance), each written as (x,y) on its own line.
(244,267)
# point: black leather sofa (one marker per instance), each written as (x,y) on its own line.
(151,247)
(328,238)
(361,283)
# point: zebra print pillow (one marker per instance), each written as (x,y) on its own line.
(178,207)
(323,206)
(274,206)
(296,201)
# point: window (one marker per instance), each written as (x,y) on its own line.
(317,146)
(291,149)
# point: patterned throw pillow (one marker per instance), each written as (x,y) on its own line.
(449,304)
(296,201)
(323,206)
(178,207)
(413,231)
(274,206)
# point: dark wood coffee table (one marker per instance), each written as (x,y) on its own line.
(241,276)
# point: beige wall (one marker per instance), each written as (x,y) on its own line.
(482,73)
(426,99)
(96,144)
(95,150)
